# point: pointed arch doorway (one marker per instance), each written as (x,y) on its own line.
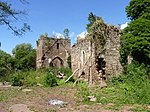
(57,62)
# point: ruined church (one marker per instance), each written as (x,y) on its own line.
(90,60)
(52,52)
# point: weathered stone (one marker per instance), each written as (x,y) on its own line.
(91,56)
(19,108)
(52,52)
(26,90)
(88,57)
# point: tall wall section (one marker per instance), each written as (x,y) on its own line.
(112,55)
(100,54)
(52,52)
(82,57)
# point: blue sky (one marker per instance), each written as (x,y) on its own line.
(56,15)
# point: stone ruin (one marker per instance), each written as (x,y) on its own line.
(91,61)
(94,62)
(52,52)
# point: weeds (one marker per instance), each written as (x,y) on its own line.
(130,88)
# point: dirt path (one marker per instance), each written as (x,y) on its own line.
(36,98)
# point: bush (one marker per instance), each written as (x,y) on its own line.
(17,79)
(50,79)
(28,78)
(135,84)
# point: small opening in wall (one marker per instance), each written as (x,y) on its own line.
(57,45)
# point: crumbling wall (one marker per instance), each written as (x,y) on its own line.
(83,59)
(104,44)
(112,55)
(52,52)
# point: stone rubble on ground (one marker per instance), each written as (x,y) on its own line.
(26,90)
(19,108)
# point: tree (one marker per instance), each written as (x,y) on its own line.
(9,15)
(138,8)
(135,40)
(6,63)
(92,18)
(25,56)
(66,33)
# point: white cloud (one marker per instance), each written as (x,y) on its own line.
(58,35)
(82,34)
(124,25)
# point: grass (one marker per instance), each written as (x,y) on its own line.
(132,88)
(5,94)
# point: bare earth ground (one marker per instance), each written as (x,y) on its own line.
(37,100)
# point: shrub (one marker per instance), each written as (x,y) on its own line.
(17,79)
(50,79)
(135,84)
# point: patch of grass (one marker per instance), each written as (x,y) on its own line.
(8,93)
(113,107)
(52,110)
(131,88)
(2,97)
(135,85)
(46,77)
(139,108)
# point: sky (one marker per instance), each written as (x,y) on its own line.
(53,16)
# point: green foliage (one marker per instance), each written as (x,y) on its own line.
(92,18)
(6,64)
(25,56)
(28,78)
(44,77)
(83,91)
(50,79)
(135,40)
(135,85)
(23,46)
(130,88)
(138,8)
(17,79)
(66,33)
(97,32)
(68,72)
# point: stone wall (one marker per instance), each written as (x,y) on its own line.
(112,56)
(82,59)
(104,57)
(52,52)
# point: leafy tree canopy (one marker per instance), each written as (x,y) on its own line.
(135,40)
(66,33)
(5,63)
(92,18)
(138,8)
(25,56)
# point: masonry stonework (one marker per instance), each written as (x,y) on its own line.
(91,61)
(91,58)
(52,52)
